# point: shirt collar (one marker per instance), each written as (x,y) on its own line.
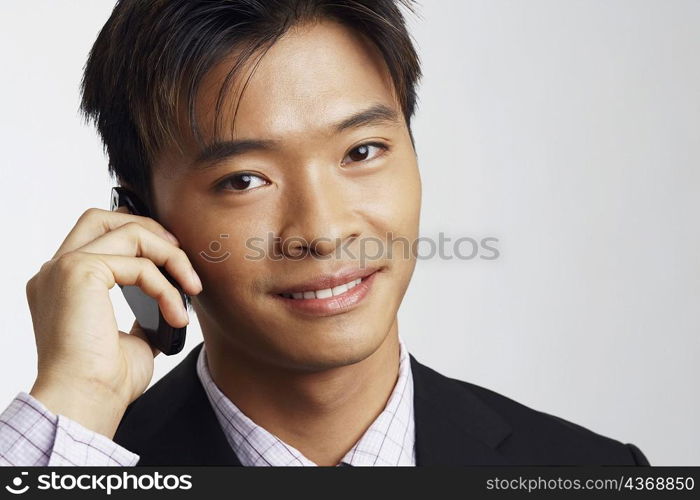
(389,440)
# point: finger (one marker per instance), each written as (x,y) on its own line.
(134,240)
(136,271)
(137,331)
(95,222)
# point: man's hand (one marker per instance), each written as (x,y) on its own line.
(88,370)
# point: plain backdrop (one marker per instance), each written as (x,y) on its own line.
(569,130)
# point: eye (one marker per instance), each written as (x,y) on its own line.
(242,181)
(364,152)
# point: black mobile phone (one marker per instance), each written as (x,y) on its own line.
(167,339)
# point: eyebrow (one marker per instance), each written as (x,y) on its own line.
(377,114)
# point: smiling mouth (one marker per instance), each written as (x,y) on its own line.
(330,295)
(325,292)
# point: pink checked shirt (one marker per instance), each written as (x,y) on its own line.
(30,435)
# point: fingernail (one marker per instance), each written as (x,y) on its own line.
(196,279)
(185,314)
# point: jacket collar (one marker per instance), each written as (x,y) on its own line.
(453,425)
(173,422)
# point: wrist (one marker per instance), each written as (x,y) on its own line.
(92,407)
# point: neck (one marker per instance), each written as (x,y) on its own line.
(322,414)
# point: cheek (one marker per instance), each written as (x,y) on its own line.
(397,200)
(219,254)
(403,219)
(391,216)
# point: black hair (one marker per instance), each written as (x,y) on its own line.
(151,55)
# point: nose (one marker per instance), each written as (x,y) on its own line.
(320,214)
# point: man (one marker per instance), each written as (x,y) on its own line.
(235,121)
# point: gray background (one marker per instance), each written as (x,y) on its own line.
(567,129)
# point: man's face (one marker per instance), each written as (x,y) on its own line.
(338,191)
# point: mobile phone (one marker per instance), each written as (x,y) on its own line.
(167,339)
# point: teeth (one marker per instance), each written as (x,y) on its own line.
(337,290)
(325,293)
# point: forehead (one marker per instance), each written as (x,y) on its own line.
(313,76)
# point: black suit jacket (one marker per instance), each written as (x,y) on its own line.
(456,423)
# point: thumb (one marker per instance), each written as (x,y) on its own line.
(137,331)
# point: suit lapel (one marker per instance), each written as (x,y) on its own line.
(453,426)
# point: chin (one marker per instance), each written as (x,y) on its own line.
(330,348)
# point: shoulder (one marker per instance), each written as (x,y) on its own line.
(537,437)
(554,436)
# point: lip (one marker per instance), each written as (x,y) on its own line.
(323,281)
(336,304)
